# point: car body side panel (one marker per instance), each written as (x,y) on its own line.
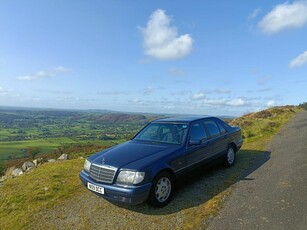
(219,145)
(198,153)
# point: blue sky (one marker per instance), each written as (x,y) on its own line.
(188,57)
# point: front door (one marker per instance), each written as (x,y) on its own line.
(197,152)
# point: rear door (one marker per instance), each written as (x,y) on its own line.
(217,138)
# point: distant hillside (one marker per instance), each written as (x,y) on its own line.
(120,118)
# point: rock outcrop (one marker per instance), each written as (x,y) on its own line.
(27,165)
(64,156)
(17,172)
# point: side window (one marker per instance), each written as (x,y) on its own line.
(198,132)
(212,128)
(222,129)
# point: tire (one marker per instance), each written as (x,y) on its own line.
(162,190)
(230,157)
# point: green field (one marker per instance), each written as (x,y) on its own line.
(48,130)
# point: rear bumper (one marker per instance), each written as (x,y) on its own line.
(130,195)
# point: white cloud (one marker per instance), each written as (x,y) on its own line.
(161,39)
(43,74)
(264,90)
(25,78)
(35,76)
(285,16)
(113,92)
(237,102)
(254,14)
(198,96)
(270,103)
(299,60)
(2,91)
(138,101)
(7,93)
(147,91)
(62,69)
(202,94)
(221,91)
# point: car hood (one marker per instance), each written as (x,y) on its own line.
(128,152)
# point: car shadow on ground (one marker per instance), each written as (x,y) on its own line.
(205,182)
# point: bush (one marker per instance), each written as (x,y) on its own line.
(263,114)
(2,168)
(33,152)
(303,105)
(250,134)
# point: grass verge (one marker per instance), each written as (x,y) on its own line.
(44,187)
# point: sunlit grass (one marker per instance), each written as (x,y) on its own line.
(46,186)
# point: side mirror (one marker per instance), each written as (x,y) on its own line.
(195,142)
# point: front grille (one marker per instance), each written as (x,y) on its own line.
(102,173)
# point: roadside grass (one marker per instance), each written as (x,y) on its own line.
(51,185)
(44,187)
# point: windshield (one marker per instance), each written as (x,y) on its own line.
(172,133)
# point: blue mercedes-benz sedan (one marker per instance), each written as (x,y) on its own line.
(147,167)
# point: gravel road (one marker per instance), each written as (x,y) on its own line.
(273,196)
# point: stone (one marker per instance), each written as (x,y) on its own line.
(17,172)
(51,160)
(27,165)
(38,161)
(64,156)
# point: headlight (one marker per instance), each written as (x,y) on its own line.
(87,165)
(130,177)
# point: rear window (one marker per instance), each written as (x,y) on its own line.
(213,128)
(222,129)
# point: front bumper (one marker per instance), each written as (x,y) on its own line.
(131,195)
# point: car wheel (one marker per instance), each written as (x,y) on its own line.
(162,190)
(230,157)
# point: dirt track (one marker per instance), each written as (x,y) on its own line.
(273,196)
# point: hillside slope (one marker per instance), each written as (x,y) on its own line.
(52,196)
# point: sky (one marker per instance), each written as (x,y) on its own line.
(175,57)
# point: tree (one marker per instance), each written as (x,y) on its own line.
(304,105)
(33,151)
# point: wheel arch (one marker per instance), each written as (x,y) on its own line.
(234,146)
(170,171)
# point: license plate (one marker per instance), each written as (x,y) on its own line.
(95,188)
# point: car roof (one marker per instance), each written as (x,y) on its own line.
(183,119)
